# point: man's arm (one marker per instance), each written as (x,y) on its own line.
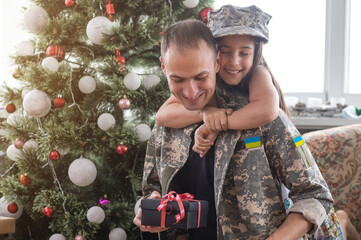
(294,227)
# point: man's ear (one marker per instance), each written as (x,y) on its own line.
(162,65)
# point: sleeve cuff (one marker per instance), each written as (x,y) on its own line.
(312,210)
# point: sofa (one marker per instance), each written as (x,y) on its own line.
(337,152)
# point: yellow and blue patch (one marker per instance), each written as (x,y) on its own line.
(298,141)
(252,142)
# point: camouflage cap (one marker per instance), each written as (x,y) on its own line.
(233,20)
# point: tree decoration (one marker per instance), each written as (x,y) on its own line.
(36,103)
(54,155)
(117,234)
(25,180)
(57,236)
(110,10)
(48,211)
(97,28)
(151,81)
(16,74)
(95,214)
(106,121)
(203,14)
(14,119)
(35,19)
(87,84)
(4,211)
(13,153)
(132,81)
(122,149)
(120,59)
(19,143)
(104,201)
(26,48)
(190,3)
(124,103)
(79,237)
(31,145)
(59,102)
(70,3)
(10,108)
(143,132)
(50,64)
(13,208)
(56,51)
(82,172)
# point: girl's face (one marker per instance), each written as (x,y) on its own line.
(235,57)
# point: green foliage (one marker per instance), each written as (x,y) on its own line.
(136,35)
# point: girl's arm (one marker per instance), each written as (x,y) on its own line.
(174,115)
(263,106)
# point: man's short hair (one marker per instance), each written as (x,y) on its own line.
(187,34)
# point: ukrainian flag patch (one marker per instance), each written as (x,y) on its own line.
(298,141)
(252,142)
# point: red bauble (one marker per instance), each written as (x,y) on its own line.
(124,103)
(70,3)
(122,149)
(10,108)
(18,143)
(56,51)
(16,74)
(79,237)
(48,211)
(54,155)
(59,102)
(203,14)
(25,180)
(12,208)
(120,60)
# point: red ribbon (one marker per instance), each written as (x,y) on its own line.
(173,196)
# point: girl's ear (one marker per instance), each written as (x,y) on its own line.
(218,61)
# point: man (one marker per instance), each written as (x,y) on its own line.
(245,183)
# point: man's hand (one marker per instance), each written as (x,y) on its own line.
(138,218)
(203,140)
(216,118)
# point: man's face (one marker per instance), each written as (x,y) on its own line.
(191,75)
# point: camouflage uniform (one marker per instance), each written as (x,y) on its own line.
(246,180)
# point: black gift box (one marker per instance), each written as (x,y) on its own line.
(152,217)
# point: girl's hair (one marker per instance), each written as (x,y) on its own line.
(259,60)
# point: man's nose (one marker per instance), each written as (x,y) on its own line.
(190,89)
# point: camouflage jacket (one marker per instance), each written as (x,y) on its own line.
(249,166)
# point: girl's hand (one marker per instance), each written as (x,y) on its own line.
(216,118)
(203,140)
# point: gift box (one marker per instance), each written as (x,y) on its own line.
(194,213)
(7,225)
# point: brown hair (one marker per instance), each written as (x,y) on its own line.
(187,34)
(259,60)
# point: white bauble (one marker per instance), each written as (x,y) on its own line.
(4,209)
(143,132)
(87,84)
(190,3)
(106,121)
(82,172)
(14,119)
(132,81)
(35,19)
(13,153)
(151,81)
(117,234)
(36,103)
(25,91)
(26,48)
(97,27)
(57,236)
(95,214)
(30,145)
(50,64)
(137,205)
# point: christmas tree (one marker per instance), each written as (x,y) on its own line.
(77,127)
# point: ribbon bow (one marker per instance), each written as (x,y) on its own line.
(173,196)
